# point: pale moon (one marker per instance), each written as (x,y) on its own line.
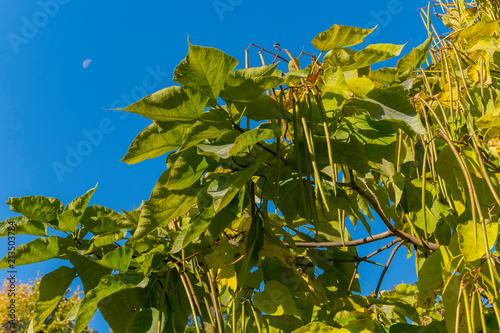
(86,63)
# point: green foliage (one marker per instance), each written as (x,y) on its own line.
(335,143)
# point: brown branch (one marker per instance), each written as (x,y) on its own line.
(356,242)
(359,259)
(353,278)
(377,207)
(263,49)
(387,266)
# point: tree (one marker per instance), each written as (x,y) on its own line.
(245,231)
(26,294)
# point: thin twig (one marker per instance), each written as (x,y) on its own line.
(387,266)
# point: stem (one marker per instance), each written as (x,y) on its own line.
(257,323)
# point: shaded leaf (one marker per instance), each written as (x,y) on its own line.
(276,299)
(52,288)
(108,285)
(89,272)
(120,309)
(145,321)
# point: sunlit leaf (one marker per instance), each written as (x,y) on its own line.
(36,208)
(340,36)
(155,140)
(205,69)
(40,249)
(171,104)
(21,225)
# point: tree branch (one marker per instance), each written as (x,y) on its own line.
(356,242)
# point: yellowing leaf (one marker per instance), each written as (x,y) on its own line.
(473,248)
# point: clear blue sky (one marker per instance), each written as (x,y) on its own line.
(49,102)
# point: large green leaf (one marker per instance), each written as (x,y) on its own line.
(212,125)
(205,69)
(339,36)
(52,288)
(185,169)
(118,259)
(171,104)
(155,140)
(21,225)
(40,249)
(276,299)
(120,309)
(108,285)
(37,208)
(389,104)
(473,248)
(372,54)
(68,220)
(385,76)
(350,154)
(100,220)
